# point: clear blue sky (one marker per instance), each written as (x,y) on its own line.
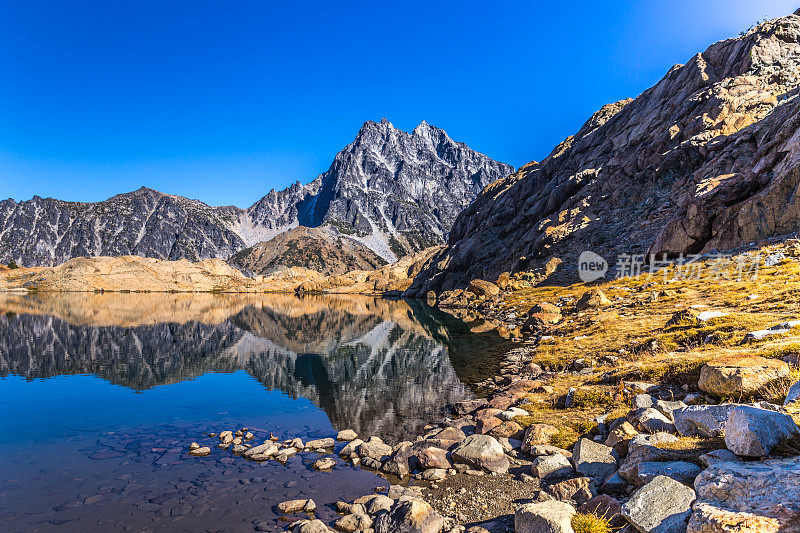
(222,101)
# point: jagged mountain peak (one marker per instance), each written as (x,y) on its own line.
(142,191)
(393,191)
(388,190)
(371,132)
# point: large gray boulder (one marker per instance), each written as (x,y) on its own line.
(375,448)
(662,506)
(668,407)
(748,496)
(593,459)
(681,471)
(703,420)
(554,466)
(652,420)
(410,516)
(482,451)
(754,432)
(544,517)
(629,467)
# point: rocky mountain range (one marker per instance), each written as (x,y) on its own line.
(706,159)
(389,190)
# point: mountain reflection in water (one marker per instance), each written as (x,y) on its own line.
(381,367)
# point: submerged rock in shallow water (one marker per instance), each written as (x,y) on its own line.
(200,451)
(326,463)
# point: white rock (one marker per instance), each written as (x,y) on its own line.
(708,315)
(544,517)
(346,435)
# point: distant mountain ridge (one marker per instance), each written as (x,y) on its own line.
(392,191)
(311,248)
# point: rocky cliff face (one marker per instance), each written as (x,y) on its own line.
(398,192)
(708,158)
(392,191)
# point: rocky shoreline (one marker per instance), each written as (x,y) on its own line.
(670,460)
(481,471)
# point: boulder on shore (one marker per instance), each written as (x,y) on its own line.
(544,517)
(482,288)
(537,434)
(662,506)
(682,471)
(762,496)
(591,299)
(703,420)
(577,490)
(594,460)
(409,516)
(754,432)
(554,466)
(734,377)
(482,451)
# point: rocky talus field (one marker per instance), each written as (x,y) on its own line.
(312,248)
(144,274)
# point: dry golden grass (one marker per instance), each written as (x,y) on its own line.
(628,339)
(589,523)
(695,445)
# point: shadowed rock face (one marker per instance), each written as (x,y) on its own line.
(376,366)
(708,158)
(393,191)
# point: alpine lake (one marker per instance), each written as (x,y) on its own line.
(101,395)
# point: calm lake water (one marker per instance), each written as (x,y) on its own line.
(101,394)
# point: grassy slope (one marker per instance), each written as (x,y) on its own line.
(632,330)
